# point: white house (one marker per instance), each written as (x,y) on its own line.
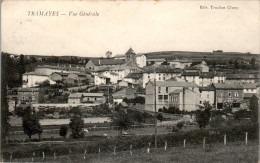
(203,67)
(141,60)
(122,71)
(114,77)
(163,73)
(101,79)
(180,63)
(33,79)
(207,94)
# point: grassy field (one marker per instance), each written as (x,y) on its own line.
(136,131)
(233,152)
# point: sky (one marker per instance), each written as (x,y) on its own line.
(146,26)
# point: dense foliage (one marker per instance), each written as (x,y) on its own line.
(76,124)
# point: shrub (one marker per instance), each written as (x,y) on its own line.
(63,130)
(174,129)
(217,121)
(159,117)
(76,125)
(179,125)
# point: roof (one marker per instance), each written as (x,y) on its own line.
(61,73)
(28,89)
(208,88)
(176,91)
(35,73)
(249,85)
(155,60)
(207,75)
(107,61)
(175,84)
(93,94)
(185,73)
(120,56)
(123,104)
(243,76)
(162,69)
(102,76)
(227,86)
(134,75)
(75,95)
(130,51)
(248,95)
(257,95)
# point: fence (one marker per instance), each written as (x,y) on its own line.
(54,155)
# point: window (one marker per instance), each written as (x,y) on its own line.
(159,89)
(159,78)
(229,94)
(176,98)
(207,95)
(200,102)
(163,78)
(166,89)
(148,77)
(165,97)
(160,97)
(236,94)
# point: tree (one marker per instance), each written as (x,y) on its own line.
(31,124)
(159,117)
(45,84)
(63,130)
(76,124)
(203,116)
(179,125)
(236,64)
(253,63)
(122,120)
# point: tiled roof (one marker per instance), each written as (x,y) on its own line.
(107,61)
(227,86)
(155,60)
(93,94)
(248,95)
(35,74)
(102,76)
(28,89)
(176,91)
(175,84)
(134,75)
(243,76)
(162,69)
(249,85)
(119,56)
(207,75)
(208,88)
(185,73)
(75,95)
(61,73)
(130,51)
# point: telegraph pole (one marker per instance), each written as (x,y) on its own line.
(155,115)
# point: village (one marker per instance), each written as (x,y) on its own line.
(131,95)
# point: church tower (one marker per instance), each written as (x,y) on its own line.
(131,57)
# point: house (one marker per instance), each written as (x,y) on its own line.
(161,73)
(134,78)
(228,93)
(128,93)
(207,94)
(33,79)
(191,76)
(141,60)
(94,98)
(101,79)
(243,78)
(48,69)
(95,63)
(122,71)
(183,95)
(203,67)
(180,63)
(125,84)
(58,76)
(114,77)
(155,61)
(28,95)
(75,98)
(249,89)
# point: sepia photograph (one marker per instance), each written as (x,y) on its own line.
(130,81)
